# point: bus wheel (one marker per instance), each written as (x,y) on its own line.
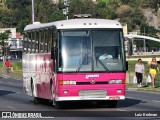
(112,103)
(60,104)
(35,100)
(57,105)
(52,94)
(101,102)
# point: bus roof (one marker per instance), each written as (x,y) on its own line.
(76,24)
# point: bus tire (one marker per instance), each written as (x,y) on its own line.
(35,100)
(52,93)
(101,102)
(57,104)
(112,103)
(60,104)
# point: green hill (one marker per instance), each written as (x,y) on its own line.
(17,13)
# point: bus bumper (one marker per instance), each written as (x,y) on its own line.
(90,98)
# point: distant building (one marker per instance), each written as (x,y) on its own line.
(16,47)
(125,29)
(13,32)
(15,43)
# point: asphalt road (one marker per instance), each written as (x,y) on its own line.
(12,98)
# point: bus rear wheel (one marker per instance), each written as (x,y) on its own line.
(35,100)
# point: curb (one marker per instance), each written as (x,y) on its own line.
(132,89)
(11,76)
(157,90)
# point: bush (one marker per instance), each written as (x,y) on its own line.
(17,65)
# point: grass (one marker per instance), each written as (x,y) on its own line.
(149,90)
(17,67)
(131,68)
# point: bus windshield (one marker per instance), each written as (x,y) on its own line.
(91,50)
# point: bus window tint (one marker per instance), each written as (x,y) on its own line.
(75,51)
(29,42)
(107,41)
(37,42)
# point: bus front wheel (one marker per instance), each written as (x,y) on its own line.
(56,104)
(112,103)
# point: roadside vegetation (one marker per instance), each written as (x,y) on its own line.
(131,68)
(148,88)
(17,13)
(17,67)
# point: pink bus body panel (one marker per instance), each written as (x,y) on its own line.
(44,75)
(81,77)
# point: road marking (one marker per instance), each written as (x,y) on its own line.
(10,82)
(155,101)
(11,91)
(130,97)
(18,92)
(10,107)
(121,110)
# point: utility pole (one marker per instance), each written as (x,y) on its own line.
(65,10)
(144,41)
(32,11)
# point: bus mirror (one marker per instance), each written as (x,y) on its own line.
(52,53)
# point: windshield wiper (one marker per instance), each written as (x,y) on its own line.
(80,65)
(102,64)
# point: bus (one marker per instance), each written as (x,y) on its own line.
(61,61)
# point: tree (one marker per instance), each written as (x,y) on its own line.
(3,38)
(81,7)
(155,4)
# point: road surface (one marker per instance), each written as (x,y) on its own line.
(12,98)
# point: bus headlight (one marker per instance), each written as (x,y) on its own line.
(115,82)
(68,82)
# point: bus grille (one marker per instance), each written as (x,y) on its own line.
(93,93)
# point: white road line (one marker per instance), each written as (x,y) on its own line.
(121,110)
(155,101)
(11,91)
(10,82)
(18,92)
(10,107)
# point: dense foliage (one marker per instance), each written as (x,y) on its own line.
(17,13)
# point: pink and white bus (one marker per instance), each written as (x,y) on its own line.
(61,61)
